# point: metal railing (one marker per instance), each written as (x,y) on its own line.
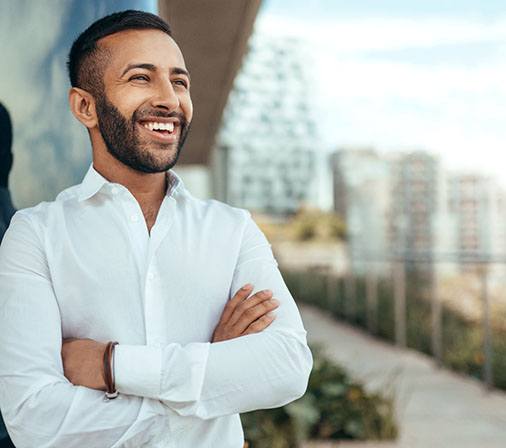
(402,263)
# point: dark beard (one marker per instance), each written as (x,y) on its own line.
(122,140)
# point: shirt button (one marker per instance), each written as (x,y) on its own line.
(134,218)
(115,190)
(151,276)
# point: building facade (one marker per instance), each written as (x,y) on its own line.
(418,221)
(394,206)
(265,158)
(478,205)
(362,197)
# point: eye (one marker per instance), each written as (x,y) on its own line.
(181,82)
(139,77)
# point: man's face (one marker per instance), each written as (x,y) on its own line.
(145,110)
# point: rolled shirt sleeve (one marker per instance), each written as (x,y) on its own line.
(258,371)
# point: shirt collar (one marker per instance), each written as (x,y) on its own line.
(93,182)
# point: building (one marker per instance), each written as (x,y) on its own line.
(265,157)
(362,197)
(404,205)
(418,204)
(394,205)
(421,229)
(478,205)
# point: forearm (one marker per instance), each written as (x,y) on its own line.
(59,415)
(259,371)
(256,371)
(40,407)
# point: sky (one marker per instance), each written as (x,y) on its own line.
(404,75)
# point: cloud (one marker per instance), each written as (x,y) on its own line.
(364,96)
(385,33)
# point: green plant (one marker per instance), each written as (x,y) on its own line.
(309,224)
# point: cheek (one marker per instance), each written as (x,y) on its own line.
(128,102)
(187,107)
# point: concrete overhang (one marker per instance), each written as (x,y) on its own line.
(213,36)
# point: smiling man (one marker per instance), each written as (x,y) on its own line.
(131,313)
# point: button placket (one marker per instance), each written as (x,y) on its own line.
(153,308)
(154,304)
(148,308)
(135,229)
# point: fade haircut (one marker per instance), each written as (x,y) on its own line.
(87,59)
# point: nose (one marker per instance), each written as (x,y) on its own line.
(166,97)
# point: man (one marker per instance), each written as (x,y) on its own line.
(185,286)
(6,207)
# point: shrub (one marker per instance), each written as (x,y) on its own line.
(310,224)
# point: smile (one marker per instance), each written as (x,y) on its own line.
(166,132)
(156,126)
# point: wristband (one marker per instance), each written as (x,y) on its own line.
(111,391)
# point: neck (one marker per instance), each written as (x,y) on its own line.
(149,189)
(141,185)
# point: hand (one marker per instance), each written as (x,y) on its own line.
(83,362)
(243,315)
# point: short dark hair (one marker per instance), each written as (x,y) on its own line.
(86,59)
(5,145)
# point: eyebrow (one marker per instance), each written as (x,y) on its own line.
(180,71)
(152,68)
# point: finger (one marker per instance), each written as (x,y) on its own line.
(254,300)
(239,296)
(252,314)
(260,324)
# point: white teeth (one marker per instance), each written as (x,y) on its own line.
(159,126)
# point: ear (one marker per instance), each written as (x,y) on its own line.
(82,105)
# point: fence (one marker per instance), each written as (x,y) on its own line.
(384,305)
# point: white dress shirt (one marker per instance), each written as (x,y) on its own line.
(85,266)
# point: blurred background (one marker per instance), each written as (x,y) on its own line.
(367,139)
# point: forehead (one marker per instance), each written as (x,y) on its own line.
(142,46)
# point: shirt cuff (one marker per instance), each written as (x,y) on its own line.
(137,370)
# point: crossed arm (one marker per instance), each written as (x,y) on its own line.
(242,315)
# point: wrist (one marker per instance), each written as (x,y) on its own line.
(108,371)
